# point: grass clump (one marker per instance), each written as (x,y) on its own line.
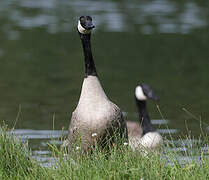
(123,163)
(16,162)
(15,158)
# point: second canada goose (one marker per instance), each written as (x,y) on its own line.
(96,119)
(143,134)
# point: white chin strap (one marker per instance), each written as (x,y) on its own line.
(140,94)
(82,30)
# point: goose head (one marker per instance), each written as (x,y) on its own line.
(144,92)
(85,25)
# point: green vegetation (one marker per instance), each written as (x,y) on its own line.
(15,159)
(16,162)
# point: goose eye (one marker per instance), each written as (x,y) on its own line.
(82,18)
(89,18)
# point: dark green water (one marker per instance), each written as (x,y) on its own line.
(163,43)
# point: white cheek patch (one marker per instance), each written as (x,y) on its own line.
(82,30)
(140,94)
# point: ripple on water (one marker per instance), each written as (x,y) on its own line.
(183,160)
(184,142)
(176,149)
(159,121)
(111,16)
(41,152)
(46,161)
(38,134)
(167,131)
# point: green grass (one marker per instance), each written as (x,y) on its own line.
(15,158)
(16,163)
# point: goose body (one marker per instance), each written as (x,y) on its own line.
(95,117)
(143,135)
(151,140)
(134,129)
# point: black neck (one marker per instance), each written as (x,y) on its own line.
(90,68)
(144,117)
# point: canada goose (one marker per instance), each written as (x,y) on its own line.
(96,118)
(145,136)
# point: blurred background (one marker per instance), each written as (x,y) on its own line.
(160,42)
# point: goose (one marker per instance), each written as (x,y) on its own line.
(96,119)
(143,135)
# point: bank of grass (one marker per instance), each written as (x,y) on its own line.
(16,163)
